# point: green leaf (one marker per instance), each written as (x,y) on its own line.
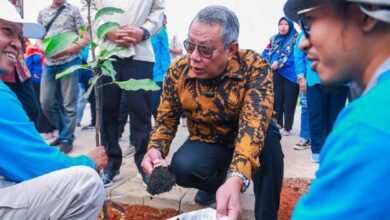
(94,45)
(133,85)
(92,83)
(105,54)
(83,28)
(71,70)
(107,11)
(108,69)
(60,42)
(106,27)
(46,42)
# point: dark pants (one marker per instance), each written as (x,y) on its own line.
(26,95)
(286,96)
(43,125)
(324,103)
(139,109)
(203,166)
(156,95)
(123,117)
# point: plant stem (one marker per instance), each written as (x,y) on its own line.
(96,72)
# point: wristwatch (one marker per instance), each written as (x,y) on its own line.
(146,33)
(245,180)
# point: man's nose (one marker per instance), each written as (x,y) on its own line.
(304,44)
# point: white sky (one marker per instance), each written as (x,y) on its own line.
(258,18)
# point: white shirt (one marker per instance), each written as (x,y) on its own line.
(143,13)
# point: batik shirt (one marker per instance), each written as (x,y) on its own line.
(69,20)
(232,109)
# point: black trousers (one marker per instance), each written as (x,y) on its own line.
(139,110)
(26,95)
(286,96)
(43,125)
(204,166)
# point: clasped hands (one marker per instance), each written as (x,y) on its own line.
(126,36)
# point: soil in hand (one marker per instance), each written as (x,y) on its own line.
(161,180)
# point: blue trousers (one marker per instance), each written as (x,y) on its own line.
(59,98)
(305,127)
(324,102)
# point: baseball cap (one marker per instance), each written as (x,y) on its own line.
(293,8)
(31,29)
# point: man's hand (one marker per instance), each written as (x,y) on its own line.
(302,84)
(99,156)
(228,199)
(151,158)
(60,54)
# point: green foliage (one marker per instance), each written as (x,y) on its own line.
(62,41)
(108,11)
(59,43)
(71,70)
(108,69)
(105,28)
(133,85)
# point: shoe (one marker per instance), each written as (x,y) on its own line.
(285,132)
(204,198)
(302,144)
(315,158)
(55,142)
(109,178)
(88,127)
(66,146)
(129,150)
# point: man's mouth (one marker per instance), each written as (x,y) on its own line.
(10,55)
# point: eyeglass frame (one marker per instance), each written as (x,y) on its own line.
(304,22)
(197,47)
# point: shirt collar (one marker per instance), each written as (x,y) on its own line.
(374,80)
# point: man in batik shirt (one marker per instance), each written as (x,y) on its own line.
(227,97)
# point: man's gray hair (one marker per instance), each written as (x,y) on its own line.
(216,14)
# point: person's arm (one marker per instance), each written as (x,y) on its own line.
(168,118)
(300,65)
(23,152)
(253,124)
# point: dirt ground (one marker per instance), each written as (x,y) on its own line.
(293,189)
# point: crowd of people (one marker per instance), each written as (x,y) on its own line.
(237,104)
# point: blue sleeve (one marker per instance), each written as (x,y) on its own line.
(299,59)
(353,178)
(23,152)
(165,55)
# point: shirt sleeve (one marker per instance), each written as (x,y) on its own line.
(153,22)
(168,113)
(23,152)
(353,174)
(299,59)
(253,120)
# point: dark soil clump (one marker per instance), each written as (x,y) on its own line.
(161,180)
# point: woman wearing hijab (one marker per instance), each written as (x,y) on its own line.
(279,54)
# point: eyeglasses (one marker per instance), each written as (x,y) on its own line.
(304,21)
(204,51)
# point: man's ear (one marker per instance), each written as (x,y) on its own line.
(233,49)
(368,23)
